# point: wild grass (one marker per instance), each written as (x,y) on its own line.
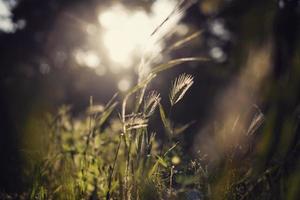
(111,154)
(104,157)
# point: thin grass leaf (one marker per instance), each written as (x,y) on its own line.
(170,149)
(141,84)
(151,102)
(164,119)
(140,97)
(139,142)
(175,62)
(106,114)
(181,129)
(179,9)
(183,41)
(58,189)
(256,122)
(180,87)
(153,169)
(137,126)
(162,161)
(111,101)
(150,142)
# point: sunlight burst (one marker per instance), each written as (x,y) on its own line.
(127,31)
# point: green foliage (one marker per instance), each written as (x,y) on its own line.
(100,156)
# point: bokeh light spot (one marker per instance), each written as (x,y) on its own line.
(100,70)
(44,68)
(6,22)
(87,58)
(124,84)
(218,54)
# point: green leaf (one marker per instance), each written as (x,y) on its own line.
(162,161)
(159,160)
(153,169)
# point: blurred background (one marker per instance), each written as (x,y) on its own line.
(56,52)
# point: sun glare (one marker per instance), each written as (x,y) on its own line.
(125,32)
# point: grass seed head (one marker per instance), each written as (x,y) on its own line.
(180,87)
(151,102)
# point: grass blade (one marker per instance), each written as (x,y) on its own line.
(164,119)
(175,62)
(183,41)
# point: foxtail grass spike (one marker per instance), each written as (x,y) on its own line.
(180,87)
